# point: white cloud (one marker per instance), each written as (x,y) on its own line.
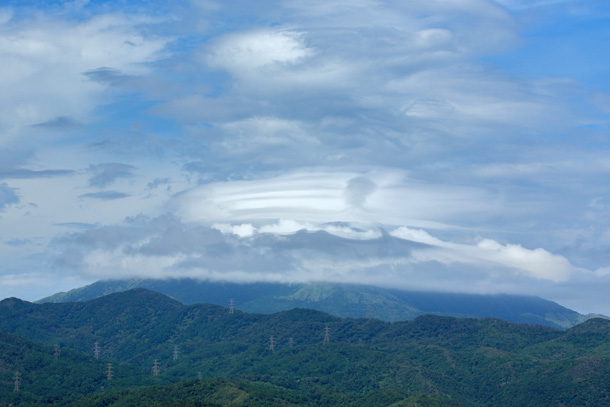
(382,196)
(536,263)
(44,59)
(243,53)
(241,230)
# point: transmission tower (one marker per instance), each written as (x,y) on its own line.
(326,335)
(156,368)
(231,306)
(271,344)
(96,350)
(109,371)
(199,375)
(291,342)
(56,351)
(17,380)
(368,311)
(175,352)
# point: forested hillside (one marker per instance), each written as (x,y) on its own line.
(297,357)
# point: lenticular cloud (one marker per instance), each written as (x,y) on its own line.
(382,196)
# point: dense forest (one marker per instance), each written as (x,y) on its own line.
(205,355)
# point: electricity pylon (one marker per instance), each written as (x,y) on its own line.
(17,381)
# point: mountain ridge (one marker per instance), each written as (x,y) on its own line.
(344,300)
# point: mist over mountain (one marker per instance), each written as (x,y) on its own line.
(344,300)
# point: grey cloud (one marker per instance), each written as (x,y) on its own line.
(158,182)
(109,76)
(24,173)
(197,167)
(105,195)
(70,258)
(358,189)
(77,225)
(165,246)
(200,247)
(107,173)
(13,162)
(58,123)
(18,242)
(8,196)
(104,237)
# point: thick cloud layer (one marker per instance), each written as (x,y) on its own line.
(437,144)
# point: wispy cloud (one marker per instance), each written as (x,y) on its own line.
(107,173)
(105,195)
(8,195)
(109,76)
(58,123)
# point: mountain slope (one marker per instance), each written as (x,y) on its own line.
(345,300)
(48,374)
(474,362)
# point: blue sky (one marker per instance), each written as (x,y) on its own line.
(453,145)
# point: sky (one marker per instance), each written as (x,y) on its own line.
(437,145)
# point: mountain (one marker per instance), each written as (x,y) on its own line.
(344,300)
(299,357)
